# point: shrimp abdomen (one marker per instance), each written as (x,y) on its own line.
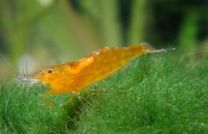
(106,61)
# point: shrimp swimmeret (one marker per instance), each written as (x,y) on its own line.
(74,76)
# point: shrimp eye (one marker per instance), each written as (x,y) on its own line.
(50,70)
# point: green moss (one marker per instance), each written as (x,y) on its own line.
(158,93)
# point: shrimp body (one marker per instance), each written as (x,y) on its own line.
(74,76)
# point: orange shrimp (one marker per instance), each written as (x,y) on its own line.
(74,76)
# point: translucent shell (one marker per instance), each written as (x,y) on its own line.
(98,65)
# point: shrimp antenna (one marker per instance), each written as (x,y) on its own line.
(26,65)
(8,63)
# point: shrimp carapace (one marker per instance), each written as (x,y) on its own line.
(74,76)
